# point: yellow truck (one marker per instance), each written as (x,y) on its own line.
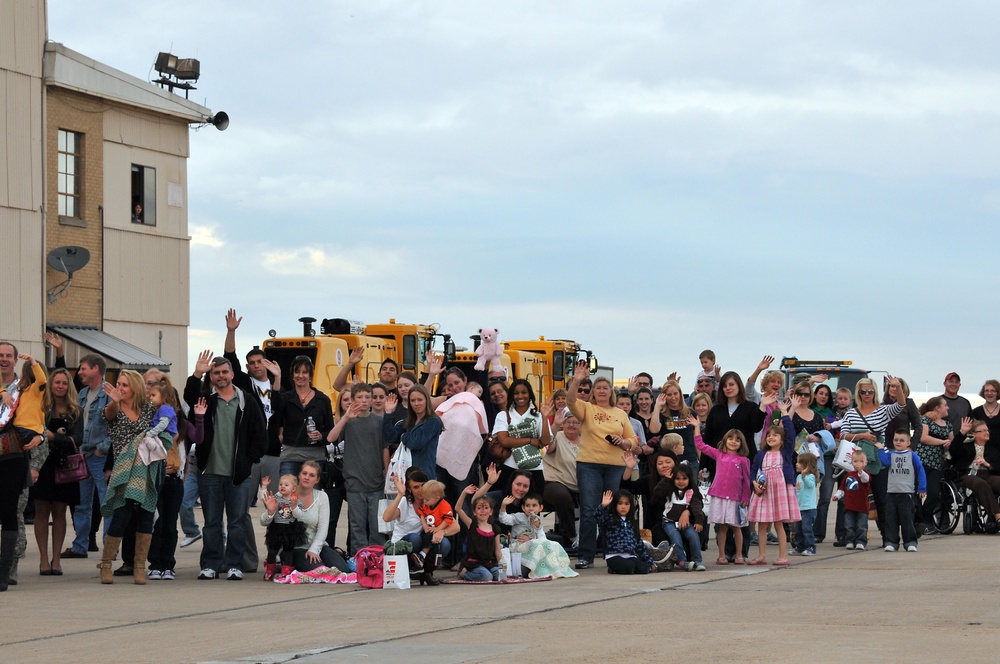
(546,364)
(330,348)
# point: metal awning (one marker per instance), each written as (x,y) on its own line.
(113,349)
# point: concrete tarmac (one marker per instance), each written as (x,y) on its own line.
(840,606)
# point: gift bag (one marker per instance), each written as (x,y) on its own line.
(504,563)
(514,572)
(842,459)
(395,572)
(398,465)
(384,527)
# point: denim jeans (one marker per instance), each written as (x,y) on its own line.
(268,466)
(82,514)
(593,479)
(188,522)
(480,573)
(856,524)
(805,537)
(416,539)
(677,538)
(826,488)
(328,557)
(362,510)
(218,494)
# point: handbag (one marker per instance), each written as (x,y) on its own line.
(10,442)
(526,457)
(73,468)
(872,508)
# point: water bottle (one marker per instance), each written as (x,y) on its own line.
(310,426)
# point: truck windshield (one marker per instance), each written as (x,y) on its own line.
(836,380)
(284,357)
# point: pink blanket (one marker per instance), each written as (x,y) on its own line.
(464,420)
(319,575)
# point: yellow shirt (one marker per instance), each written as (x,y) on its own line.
(30,413)
(596,422)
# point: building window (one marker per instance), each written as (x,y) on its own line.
(70,161)
(143,195)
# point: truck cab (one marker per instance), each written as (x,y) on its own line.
(841,373)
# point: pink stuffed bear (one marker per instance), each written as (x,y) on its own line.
(489,351)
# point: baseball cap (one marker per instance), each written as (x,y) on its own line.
(952,375)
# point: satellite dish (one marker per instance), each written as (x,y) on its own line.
(66,260)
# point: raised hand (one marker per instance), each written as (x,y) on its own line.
(607,498)
(470,490)
(630,459)
(356,355)
(232,322)
(203,363)
(435,363)
(54,340)
(112,392)
(507,501)
(581,370)
(673,377)
(391,401)
(492,474)
(397,481)
(547,408)
(201,407)
(966,425)
(661,400)
(765,363)
(273,367)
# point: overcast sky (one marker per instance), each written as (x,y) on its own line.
(648,178)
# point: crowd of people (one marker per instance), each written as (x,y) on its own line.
(642,476)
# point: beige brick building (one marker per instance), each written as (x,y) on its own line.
(83,144)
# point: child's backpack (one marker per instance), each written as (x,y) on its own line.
(368,563)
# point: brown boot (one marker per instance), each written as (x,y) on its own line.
(142,541)
(111,545)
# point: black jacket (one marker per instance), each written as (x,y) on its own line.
(251,429)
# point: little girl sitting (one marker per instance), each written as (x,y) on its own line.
(624,551)
(683,517)
(482,543)
(284,531)
(540,555)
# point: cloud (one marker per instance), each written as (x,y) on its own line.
(204,236)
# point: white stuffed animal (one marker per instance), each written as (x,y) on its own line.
(489,351)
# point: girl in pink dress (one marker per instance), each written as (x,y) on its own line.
(773,472)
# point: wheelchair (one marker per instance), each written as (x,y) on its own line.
(960,503)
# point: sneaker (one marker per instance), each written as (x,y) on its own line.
(848,545)
(795,552)
(840,543)
(168,575)
(188,541)
(698,567)
(585,564)
(124,570)
(811,551)
(890,548)
(772,538)
(912,548)
(207,574)
(930,530)
(859,547)
(235,574)
(154,574)
(753,539)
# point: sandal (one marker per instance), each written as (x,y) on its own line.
(722,561)
(781,562)
(757,561)
(739,561)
